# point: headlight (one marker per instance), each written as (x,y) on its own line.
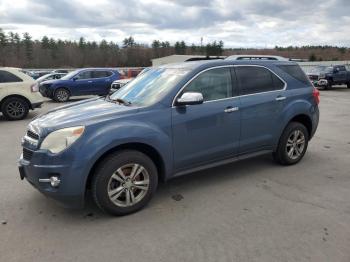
(61,139)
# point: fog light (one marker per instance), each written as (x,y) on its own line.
(54,181)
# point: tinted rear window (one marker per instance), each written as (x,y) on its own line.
(296,72)
(7,77)
(253,79)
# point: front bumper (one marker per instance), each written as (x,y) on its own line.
(70,192)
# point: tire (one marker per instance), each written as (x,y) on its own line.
(61,95)
(289,151)
(15,108)
(112,185)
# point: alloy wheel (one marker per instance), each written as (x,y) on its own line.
(15,109)
(295,144)
(128,185)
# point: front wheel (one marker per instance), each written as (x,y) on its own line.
(292,145)
(124,182)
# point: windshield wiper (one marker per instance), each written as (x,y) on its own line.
(121,101)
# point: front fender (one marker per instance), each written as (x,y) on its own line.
(101,140)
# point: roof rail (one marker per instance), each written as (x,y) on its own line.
(257,57)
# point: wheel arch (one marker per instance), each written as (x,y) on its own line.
(148,150)
(305,120)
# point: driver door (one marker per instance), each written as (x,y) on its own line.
(210,131)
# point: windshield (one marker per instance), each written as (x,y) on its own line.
(149,87)
(70,75)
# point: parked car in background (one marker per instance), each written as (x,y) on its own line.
(167,122)
(18,93)
(315,73)
(334,75)
(63,71)
(88,81)
(117,84)
(51,76)
(36,74)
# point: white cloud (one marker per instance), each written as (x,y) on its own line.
(240,23)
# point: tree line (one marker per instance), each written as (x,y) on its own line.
(22,51)
(25,52)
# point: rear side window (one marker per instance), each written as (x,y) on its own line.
(84,75)
(101,74)
(7,77)
(214,84)
(296,72)
(253,79)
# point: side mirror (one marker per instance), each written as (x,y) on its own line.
(75,78)
(190,98)
(336,70)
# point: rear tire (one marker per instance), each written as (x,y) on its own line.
(15,108)
(124,182)
(292,145)
(61,95)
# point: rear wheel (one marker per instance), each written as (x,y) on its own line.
(61,95)
(124,182)
(15,108)
(292,145)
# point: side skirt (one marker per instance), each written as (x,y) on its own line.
(222,162)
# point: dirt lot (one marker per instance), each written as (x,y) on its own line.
(253,210)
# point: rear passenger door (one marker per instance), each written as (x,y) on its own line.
(262,99)
(102,81)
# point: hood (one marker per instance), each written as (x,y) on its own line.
(85,112)
(55,81)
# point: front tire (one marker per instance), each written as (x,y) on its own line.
(292,145)
(61,95)
(124,182)
(15,108)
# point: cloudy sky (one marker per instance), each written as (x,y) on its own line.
(239,23)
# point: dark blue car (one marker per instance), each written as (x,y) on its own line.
(88,81)
(167,122)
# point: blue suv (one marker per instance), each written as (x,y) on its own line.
(169,121)
(88,81)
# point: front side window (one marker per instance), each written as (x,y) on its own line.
(7,77)
(253,79)
(213,84)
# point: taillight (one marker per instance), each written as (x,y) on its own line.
(316,95)
(34,87)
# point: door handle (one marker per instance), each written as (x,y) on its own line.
(231,109)
(90,81)
(280,98)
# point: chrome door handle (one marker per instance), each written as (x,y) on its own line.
(231,109)
(280,98)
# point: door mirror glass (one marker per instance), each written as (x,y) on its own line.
(190,98)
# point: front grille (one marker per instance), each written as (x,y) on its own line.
(27,154)
(33,135)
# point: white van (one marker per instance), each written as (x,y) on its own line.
(18,93)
